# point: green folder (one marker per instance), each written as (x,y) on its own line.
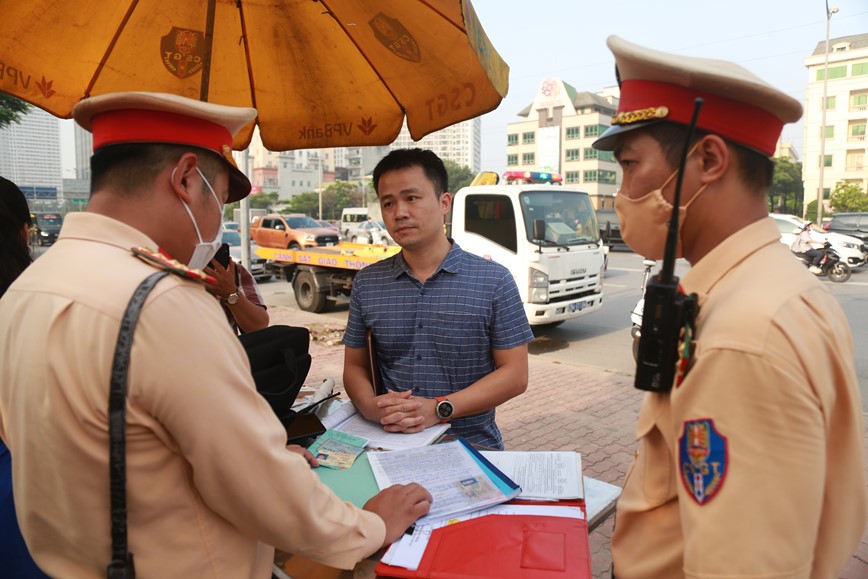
(355,484)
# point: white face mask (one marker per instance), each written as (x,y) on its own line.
(204,250)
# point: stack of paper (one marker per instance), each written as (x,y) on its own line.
(542,475)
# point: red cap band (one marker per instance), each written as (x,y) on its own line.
(737,121)
(145,126)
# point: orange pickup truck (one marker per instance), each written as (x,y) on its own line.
(293,231)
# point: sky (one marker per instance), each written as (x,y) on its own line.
(567,38)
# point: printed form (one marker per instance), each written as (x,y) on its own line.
(449,472)
(543,475)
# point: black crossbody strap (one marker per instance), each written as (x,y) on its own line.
(121,566)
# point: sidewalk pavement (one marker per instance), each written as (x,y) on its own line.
(566,407)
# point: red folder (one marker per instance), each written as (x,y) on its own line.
(504,546)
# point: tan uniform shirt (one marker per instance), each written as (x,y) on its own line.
(753,466)
(210,483)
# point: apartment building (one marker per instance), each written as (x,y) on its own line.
(30,156)
(561,124)
(460,143)
(846,109)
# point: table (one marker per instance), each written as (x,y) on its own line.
(600,499)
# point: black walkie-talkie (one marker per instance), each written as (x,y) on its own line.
(665,307)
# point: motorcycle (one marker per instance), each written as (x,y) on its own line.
(831,265)
(636,315)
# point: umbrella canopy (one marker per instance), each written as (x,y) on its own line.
(321,73)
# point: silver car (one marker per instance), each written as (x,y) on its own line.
(373,232)
(258,269)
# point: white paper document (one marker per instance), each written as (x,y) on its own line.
(448,471)
(544,475)
(347,419)
(407,552)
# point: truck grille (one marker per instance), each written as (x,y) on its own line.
(327,239)
(575,287)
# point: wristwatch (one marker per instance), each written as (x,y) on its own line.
(444,409)
(233,298)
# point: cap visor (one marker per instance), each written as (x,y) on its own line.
(609,139)
(239,185)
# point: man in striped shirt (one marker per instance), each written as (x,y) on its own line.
(449,329)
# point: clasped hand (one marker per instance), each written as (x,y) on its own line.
(402,412)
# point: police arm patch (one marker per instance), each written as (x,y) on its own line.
(702,459)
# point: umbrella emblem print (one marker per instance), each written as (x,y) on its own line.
(182,52)
(395,37)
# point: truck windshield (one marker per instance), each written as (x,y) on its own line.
(301,222)
(569,216)
(50,220)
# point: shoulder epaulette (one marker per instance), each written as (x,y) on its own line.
(162,261)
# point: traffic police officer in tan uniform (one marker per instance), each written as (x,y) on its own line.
(211,486)
(752,465)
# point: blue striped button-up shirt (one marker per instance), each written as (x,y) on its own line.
(436,338)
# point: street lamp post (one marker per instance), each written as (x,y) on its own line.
(829,12)
(319,189)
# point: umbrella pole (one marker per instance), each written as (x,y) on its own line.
(209,41)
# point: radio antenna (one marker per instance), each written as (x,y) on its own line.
(667,271)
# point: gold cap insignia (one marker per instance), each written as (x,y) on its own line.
(630,117)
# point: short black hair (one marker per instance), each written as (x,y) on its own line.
(755,169)
(14,251)
(128,167)
(431,164)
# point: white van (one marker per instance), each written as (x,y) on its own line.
(351,216)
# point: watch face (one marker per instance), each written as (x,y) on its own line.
(232,299)
(444,409)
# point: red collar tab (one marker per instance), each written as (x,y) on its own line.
(162,260)
(740,122)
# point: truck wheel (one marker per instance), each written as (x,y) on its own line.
(306,295)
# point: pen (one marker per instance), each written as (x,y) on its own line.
(315,404)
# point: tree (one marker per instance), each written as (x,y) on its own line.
(11,110)
(459,175)
(307,203)
(848,197)
(811,211)
(263,200)
(787,192)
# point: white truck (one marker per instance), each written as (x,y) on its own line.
(546,235)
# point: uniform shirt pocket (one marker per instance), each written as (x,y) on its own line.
(654,464)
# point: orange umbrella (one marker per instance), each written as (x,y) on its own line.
(321,73)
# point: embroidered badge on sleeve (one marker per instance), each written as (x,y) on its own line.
(702,459)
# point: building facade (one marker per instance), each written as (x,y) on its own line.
(460,143)
(560,127)
(30,157)
(846,109)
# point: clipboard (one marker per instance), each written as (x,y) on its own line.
(374,365)
(517,546)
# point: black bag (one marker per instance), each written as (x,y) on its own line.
(279,361)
